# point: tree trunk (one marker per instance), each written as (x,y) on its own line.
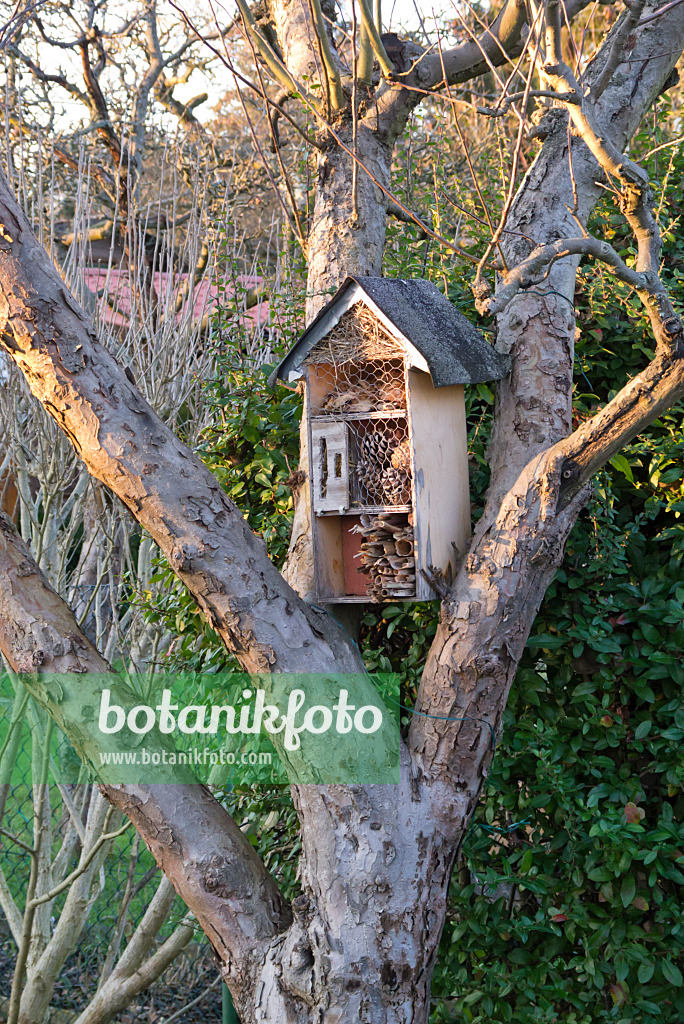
(347,233)
(375,870)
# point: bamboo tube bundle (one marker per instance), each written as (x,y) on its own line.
(387,556)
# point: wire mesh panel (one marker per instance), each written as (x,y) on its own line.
(380,457)
(355,387)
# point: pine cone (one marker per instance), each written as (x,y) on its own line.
(401,456)
(369,479)
(376,447)
(396,484)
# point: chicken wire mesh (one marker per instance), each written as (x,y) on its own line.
(361,387)
(357,336)
(380,463)
(124,887)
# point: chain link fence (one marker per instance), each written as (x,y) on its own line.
(121,890)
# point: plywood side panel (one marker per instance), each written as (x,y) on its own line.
(440,475)
(328,557)
(318,380)
(355,582)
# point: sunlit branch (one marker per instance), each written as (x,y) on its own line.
(331,70)
(385,63)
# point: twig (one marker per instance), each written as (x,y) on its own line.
(24,846)
(83,866)
(258,147)
(285,176)
(245,81)
(660,11)
(274,64)
(466,152)
(514,173)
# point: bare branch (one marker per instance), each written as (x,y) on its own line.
(621,36)
(635,195)
(393,210)
(496,45)
(638,404)
(523,275)
(106,837)
(373,36)
(660,12)
(180,1014)
(532,503)
(42,76)
(331,70)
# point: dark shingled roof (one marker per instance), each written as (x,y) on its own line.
(454,350)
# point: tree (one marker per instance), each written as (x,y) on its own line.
(361,941)
(116,69)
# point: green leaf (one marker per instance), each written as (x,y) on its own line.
(650,633)
(642,729)
(672,973)
(620,463)
(545,640)
(627,890)
(645,972)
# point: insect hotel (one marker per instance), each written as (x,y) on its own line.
(385,364)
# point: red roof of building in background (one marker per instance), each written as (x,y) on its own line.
(205,296)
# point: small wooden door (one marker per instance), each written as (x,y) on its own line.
(330,465)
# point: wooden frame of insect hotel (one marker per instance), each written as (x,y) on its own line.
(385,364)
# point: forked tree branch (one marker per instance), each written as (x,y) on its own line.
(526,274)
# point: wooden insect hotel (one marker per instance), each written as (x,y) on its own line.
(385,364)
